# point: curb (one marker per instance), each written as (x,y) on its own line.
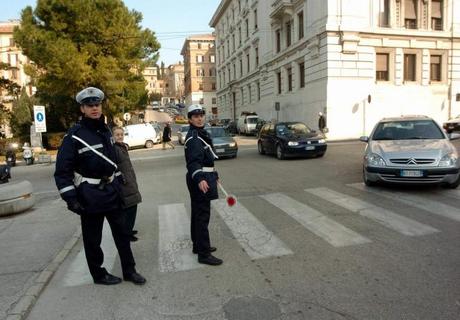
(28,300)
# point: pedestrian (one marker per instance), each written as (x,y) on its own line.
(202,181)
(129,190)
(167,136)
(321,122)
(89,182)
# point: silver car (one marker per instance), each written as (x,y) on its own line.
(410,150)
(182,133)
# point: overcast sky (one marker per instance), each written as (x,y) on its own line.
(172,20)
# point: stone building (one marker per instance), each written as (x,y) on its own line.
(356,61)
(200,72)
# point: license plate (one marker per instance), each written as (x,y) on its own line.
(310,148)
(220,150)
(411,173)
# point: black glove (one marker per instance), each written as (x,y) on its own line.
(75,206)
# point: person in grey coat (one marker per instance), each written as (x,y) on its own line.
(129,189)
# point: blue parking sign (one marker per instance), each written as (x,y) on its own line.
(40,119)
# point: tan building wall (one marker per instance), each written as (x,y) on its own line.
(175,88)
(12,55)
(154,85)
(200,71)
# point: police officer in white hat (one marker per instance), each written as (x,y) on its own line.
(88,180)
(201,182)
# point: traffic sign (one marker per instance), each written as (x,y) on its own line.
(40,118)
(127,116)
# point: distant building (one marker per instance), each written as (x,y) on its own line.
(355,61)
(174,83)
(154,82)
(200,72)
(12,55)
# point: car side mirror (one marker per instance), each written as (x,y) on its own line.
(454,136)
(364,139)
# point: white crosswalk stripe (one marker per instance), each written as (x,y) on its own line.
(434,207)
(175,246)
(383,216)
(78,272)
(329,230)
(257,241)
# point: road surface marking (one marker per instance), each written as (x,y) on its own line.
(78,272)
(174,244)
(383,216)
(432,206)
(256,240)
(329,230)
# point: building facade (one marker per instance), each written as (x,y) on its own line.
(154,83)
(11,55)
(175,88)
(200,72)
(355,61)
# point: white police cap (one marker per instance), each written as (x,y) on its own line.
(90,96)
(195,109)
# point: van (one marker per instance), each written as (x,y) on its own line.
(141,135)
(247,123)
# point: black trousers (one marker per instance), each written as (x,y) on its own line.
(201,213)
(91,225)
(130,214)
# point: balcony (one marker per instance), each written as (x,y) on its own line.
(280,8)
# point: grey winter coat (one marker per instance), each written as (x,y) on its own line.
(129,189)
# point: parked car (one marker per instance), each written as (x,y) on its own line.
(141,135)
(247,123)
(182,133)
(224,144)
(452,124)
(231,127)
(408,150)
(290,139)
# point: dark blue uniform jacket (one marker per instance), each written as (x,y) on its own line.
(73,156)
(198,154)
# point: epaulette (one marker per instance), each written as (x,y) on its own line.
(74,129)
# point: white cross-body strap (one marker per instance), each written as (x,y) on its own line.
(95,151)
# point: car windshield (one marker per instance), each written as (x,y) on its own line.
(292,129)
(184,129)
(407,130)
(251,120)
(217,132)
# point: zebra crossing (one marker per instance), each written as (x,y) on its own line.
(259,242)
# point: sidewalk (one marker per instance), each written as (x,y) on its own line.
(32,246)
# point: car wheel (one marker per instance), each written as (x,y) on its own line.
(368,182)
(149,144)
(279,152)
(260,148)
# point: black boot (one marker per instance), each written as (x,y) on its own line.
(209,259)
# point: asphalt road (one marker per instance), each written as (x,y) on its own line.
(305,241)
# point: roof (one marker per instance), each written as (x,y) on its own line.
(218,13)
(406,118)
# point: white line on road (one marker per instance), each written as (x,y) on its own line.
(257,241)
(175,245)
(383,216)
(432,206)
(329,230)
(78,272)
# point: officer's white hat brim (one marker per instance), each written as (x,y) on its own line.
(90,96)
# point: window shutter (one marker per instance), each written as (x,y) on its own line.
(382,62)
(410,9)
(436,9)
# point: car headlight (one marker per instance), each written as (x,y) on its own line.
(449,160)
(293,143)
(322,141)
(232,144)
(374,160)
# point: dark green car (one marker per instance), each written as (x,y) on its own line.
(224,144)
